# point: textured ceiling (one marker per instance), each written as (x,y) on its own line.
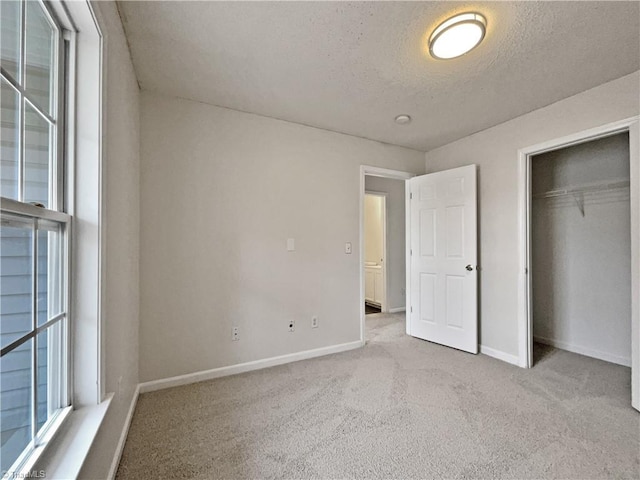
(352,67)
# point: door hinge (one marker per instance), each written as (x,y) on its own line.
(411,196)
(410,252)
(411,309)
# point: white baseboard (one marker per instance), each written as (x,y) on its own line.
(589,352)
(245,367)
(397,310)
(123,436)
(505,357)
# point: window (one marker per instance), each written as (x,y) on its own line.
(35,232)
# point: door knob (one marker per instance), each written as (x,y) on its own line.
(469,268)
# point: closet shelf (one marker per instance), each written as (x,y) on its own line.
(584,189)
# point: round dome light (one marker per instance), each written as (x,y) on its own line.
(403,119)
(457,35)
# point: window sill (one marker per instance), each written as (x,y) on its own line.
(64,455)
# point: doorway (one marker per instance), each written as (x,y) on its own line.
(440,229)
(386,264)
(375,249)
(587,194)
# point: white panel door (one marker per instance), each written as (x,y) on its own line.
(443,277)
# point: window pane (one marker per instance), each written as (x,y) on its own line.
(9,141)
(10,36)
(37,151)
(16,278)
(39,55)
(15,411)
(49,271)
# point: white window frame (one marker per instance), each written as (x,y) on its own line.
(57,371)
(59,401)
(64,450)
(56,198)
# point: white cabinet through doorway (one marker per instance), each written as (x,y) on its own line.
(373,284)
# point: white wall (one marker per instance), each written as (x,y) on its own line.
(495,151)
(373,229)
(581,264)
(221,192)
(396,260)
(121,224)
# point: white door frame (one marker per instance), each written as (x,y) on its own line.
(367,170)
(384,306)
(525,325)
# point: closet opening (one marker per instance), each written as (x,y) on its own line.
(580,251)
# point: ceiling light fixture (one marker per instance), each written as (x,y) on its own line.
(457,35)
(403,119)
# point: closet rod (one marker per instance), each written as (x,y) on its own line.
(584,189)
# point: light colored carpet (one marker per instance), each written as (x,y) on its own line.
(397,408)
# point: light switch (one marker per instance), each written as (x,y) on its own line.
(291,244)
(347,248)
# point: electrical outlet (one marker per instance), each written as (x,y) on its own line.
(314,322)
(235,334)
(292,325)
